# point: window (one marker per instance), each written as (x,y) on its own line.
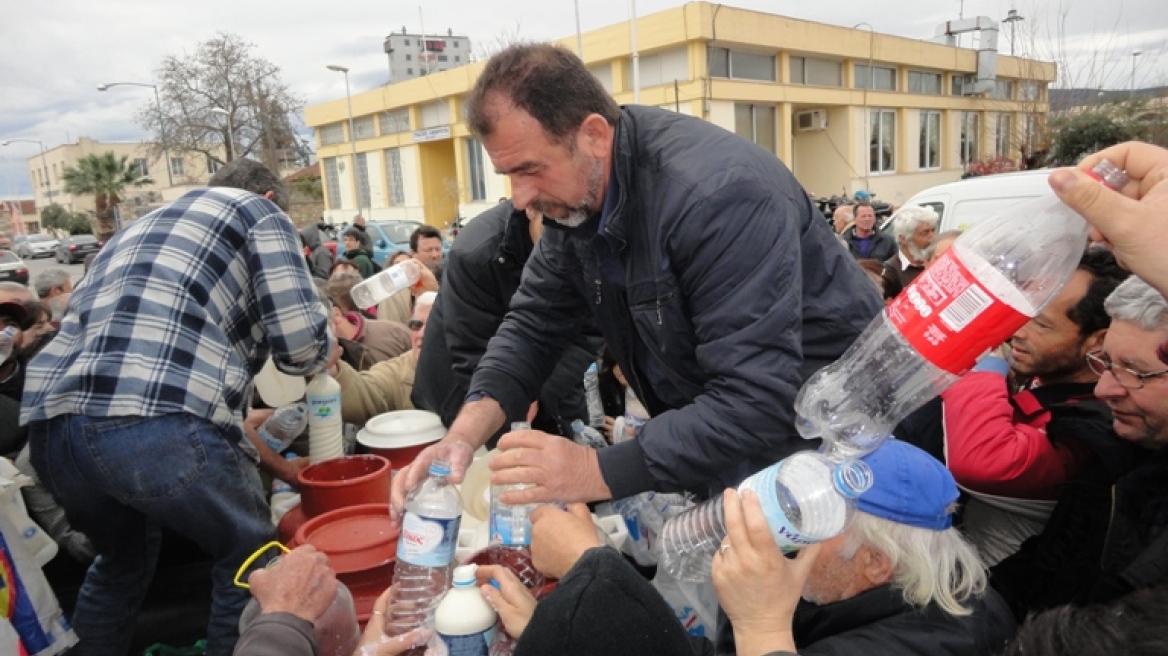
(882,78)
(930,148)
(921,82)
(882,141)
(817,72)
(334,133)
(394,121)
(363,195)
(1030,131)
(143,166)
(409,71)
(393,173)
(456,59)
(435,114)
(1003,90)
(332,183)
(603,73)
(456,46)
(1030,91)
(970,136)
(442,58)
(963,85)
(736,64)
(176,166)
(407,42)
(756,123)
(363,127)
(213,165)
(474,164)
(663,67)
(1005,135)
(409,57)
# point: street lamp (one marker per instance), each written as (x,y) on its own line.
(44,162)
(230,130)
(352,135)
(158,106)
(636,52)
(1135,54)
(1012,17)
(867,114)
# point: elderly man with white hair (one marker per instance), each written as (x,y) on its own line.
(914,227)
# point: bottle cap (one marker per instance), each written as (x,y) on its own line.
(577,425)
(439,468)
(464,575)
(1109,174)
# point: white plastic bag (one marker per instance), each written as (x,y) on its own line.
(695,605)
(14,515)
(31,606)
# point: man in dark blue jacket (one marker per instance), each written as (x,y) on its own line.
(711,276)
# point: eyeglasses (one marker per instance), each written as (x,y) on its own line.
(1128,378)
(414,324)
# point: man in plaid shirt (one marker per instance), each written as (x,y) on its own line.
(135,409)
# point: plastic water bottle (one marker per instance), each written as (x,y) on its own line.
(284,426)
(587,435)
(464,620)
(997,275)
(377,288)
(425,551)
(806,497)
(325,428)
(511,525)
(592,394)
(284,496)
(625,427)
(6,342)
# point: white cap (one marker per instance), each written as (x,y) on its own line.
(464,575)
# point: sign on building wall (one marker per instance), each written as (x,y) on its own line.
(432,134)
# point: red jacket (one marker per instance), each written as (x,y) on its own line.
(1022,446)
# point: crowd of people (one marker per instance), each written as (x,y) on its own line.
(1025,502)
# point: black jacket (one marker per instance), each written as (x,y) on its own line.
(1107,536)
(880,622)
(320,260)
(717,287)
(883,245)
(482,274)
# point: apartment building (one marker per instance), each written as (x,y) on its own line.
(846,109)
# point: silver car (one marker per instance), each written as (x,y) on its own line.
(38,246)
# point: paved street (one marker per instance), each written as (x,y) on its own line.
(38,265)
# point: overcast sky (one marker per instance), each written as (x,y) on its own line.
(53,53)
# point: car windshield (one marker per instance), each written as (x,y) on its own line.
(83,239)
(7,257)
(398,233)
(40,238)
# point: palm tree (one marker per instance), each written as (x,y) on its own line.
(106,177)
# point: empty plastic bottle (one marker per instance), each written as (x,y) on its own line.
(284,426)
(587,435)
(998,274)
(425,551)
(806,497)
(625,427)
(377,288)
(592,394)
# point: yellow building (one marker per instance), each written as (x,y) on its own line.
(846,109)
(187,170)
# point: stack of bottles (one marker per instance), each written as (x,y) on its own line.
(994,278)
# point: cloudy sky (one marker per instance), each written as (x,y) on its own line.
(53,53)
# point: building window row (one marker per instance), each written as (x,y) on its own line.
(394,121)
(740,65)
(882,141)
(333,133)
(930,144)
(756,123)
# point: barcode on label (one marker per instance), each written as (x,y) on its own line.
(965,308)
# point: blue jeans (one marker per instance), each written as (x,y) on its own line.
(121,479)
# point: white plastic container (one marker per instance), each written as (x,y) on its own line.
(464,620)
(325,428)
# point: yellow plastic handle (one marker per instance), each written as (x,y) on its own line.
(252,558)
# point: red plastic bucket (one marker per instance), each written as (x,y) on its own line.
(343,482)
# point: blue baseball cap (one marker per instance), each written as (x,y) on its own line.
(909,487)
(863,195)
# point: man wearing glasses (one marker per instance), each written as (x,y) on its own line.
(1107,537)
(1012,449)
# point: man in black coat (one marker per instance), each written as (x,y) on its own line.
(482,274)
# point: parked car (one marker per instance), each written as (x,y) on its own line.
(388,237)
(37,246)
(12,268)
(966,202)
(74,248)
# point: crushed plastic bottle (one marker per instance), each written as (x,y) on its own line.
(284,426)
(587,436)
(592,394)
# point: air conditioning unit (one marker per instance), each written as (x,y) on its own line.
(815,119)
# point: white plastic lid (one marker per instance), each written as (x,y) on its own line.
(464,575)
(401,428)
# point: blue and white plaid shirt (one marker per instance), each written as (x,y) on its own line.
(179,311)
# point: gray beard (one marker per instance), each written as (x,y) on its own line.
(574,219)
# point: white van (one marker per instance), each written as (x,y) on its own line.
(966,202)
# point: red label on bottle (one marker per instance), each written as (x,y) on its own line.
(950,318)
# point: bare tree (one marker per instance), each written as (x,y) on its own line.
(224,97)
(501,41)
